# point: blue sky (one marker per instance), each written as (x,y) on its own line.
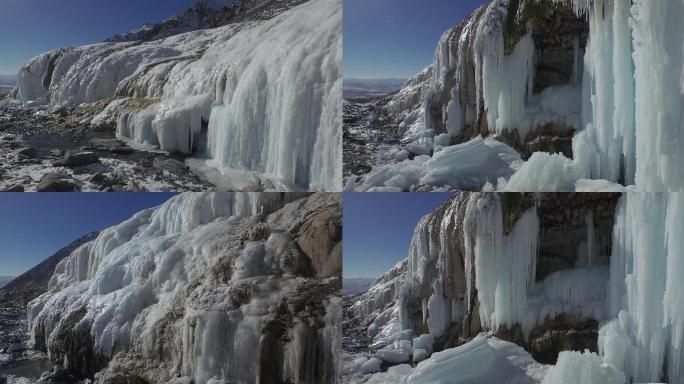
(397,38)
(378,228)
(31,27)
(33,226)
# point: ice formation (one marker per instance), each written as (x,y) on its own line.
(646,337)
(482,360)
(623,100)
(464,166)
(462,259)
(505,265)
(469,249)
(262,97)
(194,289)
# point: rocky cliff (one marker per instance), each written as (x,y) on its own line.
(205,288)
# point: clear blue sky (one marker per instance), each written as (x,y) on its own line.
(378,228)
(397,38)
(31,27)
(33,226)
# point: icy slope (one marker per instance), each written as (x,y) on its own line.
(260,99)
(206,286)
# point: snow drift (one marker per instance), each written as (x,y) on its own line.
(205,287)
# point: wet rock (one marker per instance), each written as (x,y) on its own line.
(27,152)
(171,165)
(77,159)
(13,188)
(111,145)
(57,182)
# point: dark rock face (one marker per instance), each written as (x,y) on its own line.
(203,16)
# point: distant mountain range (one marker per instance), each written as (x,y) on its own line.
(34,282)
(355,89)
(8,80)
(357,285)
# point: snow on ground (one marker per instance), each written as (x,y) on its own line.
(485,360)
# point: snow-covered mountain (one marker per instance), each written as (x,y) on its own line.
(556,274)
(207,288)
(250,100)
(578,88)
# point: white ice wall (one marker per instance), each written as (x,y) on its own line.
(647,263)
(132,278)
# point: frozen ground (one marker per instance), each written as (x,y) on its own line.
(33,142)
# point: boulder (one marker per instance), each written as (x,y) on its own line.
(77,159)
(57,182)
(29,152)
(171,165)
(111,145)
